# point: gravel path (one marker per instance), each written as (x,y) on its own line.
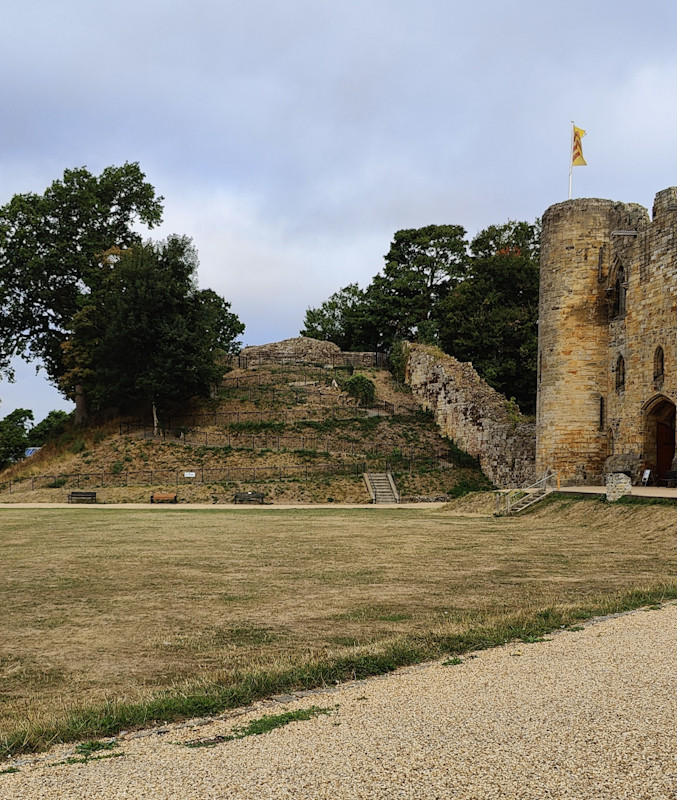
(588,714)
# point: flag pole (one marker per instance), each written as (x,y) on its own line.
(571,157)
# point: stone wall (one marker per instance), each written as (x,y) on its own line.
(304,350)
(608,301)
(476,417)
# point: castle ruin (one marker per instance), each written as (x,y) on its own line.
(607,352)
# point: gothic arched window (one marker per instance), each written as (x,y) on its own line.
(619,290)
(658,364)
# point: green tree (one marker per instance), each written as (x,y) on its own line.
(490,318)
(338,319)
(422,265)
(146,333)
(49,249)
(14,436)
(49,428)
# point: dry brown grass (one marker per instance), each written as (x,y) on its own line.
(101,605)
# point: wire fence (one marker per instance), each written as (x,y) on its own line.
(270,442)
(366,359)
(281,415)
(215,475)
(293,376)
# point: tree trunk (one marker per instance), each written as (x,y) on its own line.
(80,405)
(155,420)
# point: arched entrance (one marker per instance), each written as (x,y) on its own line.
(659,434)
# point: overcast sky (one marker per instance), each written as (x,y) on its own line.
(291,140)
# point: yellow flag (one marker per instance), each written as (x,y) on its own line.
(577,159)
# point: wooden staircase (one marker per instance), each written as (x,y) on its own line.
(381,487)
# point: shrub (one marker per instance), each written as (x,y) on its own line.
(361,388)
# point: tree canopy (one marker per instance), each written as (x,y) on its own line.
(111,319)
(490,318)
(421,267)
(14,436)
(478,302)
(147,332)
(49,254)
(338,319)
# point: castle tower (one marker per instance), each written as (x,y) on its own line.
(573,336)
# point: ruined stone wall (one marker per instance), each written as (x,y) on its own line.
(476,417)
(298,348)
(598,398)
(304,350)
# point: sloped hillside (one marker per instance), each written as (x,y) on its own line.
(288,430)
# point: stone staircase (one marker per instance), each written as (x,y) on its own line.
(381,487)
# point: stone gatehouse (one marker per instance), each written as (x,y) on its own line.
(607,352)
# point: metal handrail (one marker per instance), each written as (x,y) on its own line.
(506,498)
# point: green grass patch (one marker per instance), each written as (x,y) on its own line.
(265,724)
(266,426)
(633,500)
(247,687)
(88,749)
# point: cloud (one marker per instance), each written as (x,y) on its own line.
(292,140)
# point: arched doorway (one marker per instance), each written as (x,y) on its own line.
(659,434)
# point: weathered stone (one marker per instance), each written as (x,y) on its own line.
(474,415)
(607,337)
(629,463)
(304,350)
(618,484)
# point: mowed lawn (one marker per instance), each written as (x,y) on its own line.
(99,605)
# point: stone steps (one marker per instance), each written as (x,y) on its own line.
(381,487)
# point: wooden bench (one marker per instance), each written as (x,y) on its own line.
(163,497)
(82,497)
(249,497)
